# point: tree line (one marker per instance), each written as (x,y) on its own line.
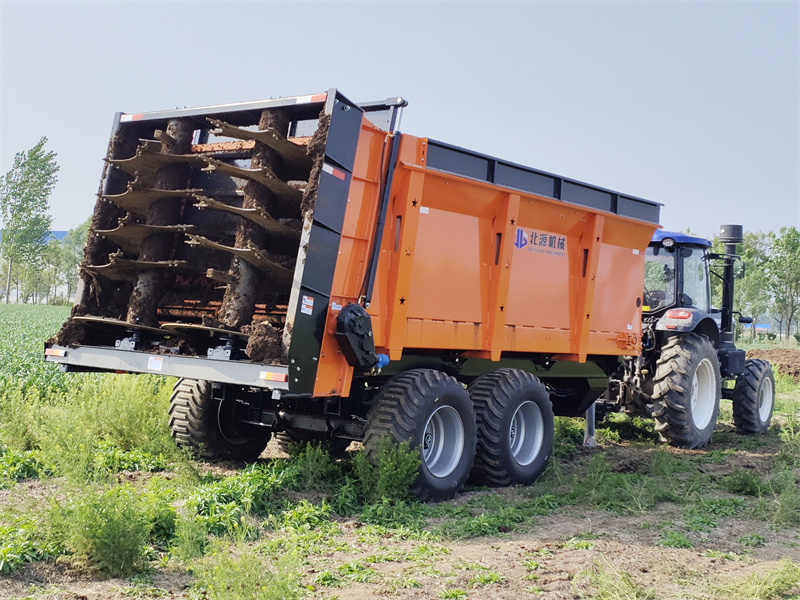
(40,269)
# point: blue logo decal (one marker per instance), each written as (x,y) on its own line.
(522,239)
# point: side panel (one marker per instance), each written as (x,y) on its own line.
(473,267)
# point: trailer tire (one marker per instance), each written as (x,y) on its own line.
(687,391)
(754,397)
(206,425)
(515,428)
(294,437)
(433,412)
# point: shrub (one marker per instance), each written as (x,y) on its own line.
(391,477)
(105,528)
(315,468)
(241,574)
(743,483)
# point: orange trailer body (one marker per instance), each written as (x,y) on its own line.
(481,269)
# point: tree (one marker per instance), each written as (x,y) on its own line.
(783,271)
(24,203)
(752,295)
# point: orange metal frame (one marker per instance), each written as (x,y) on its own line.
(469,266)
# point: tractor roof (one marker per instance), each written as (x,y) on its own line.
(680,238)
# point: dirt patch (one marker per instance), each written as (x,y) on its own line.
(784,360)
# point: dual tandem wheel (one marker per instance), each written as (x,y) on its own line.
(498,431)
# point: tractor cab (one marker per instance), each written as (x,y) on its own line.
(676,273)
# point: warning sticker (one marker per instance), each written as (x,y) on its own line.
(155,363)
(307,306)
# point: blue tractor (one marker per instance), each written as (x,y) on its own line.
(688,360)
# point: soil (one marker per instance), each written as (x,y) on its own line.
(784,360)
(264,344)
(316,150)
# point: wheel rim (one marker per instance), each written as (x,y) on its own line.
(526,433)
(765,399)
(704,396)
(443,441)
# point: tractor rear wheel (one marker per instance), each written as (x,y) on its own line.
(754,397)
(515,428)
(433,412)
(687,391)
(209,424)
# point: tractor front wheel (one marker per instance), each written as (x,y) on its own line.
(687,391)
(754,397)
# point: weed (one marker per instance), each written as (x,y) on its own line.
(21,464)
(531,565)
(191,536)
(401,582)
(773,584)
(789,453)
(753,540)
(390,513)
(20,545)
(483,524)
(568,437)
(674,539)
(239,573)
(391,477)
(619,492)
(743,483)
(255,490)
(487,578)
(609,583)
(107,528)
(305,515)
(315,468)
(697,520)
(625,427)
(577,544)
(452,594)
(345,502)
(329,579)
(781,505)
(358,572)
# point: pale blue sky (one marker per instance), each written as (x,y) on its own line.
(692,104)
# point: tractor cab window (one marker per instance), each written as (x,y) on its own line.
(659,278)
(695,278)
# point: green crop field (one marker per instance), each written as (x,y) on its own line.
(96,502)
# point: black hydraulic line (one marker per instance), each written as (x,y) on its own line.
(386,188)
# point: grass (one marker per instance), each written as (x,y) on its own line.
(101,448)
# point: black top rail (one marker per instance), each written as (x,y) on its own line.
(452,159)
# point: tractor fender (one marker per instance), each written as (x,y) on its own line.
(689,320)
